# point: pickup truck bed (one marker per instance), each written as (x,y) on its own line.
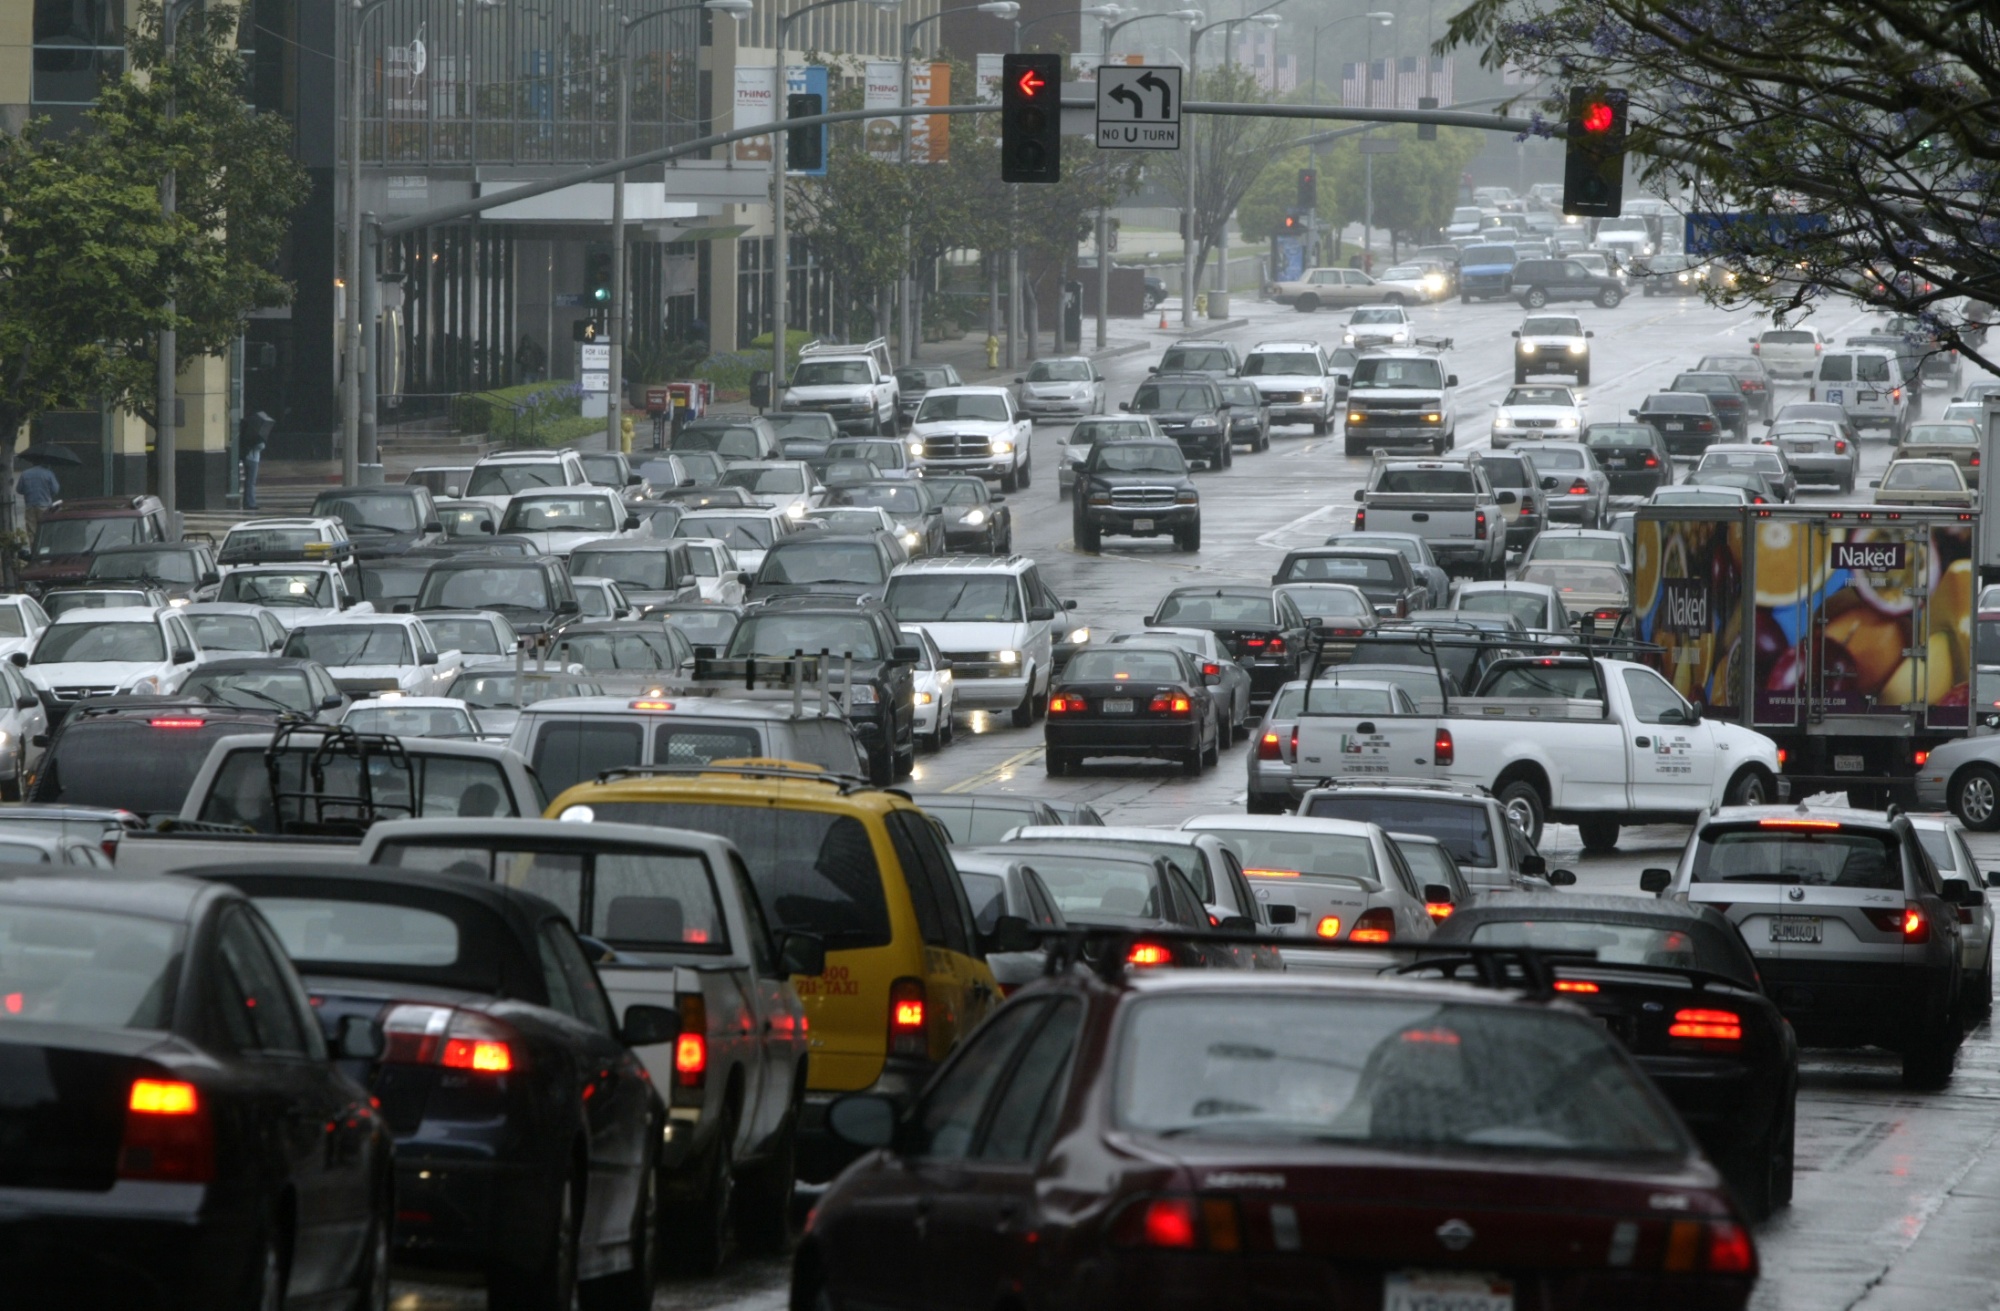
(152,851)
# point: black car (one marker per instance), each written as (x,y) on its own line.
(1752,379)
(385,520)
(534,594)
(1538,282)
(651,571)
(1263,631)
(170,1097)
(1127,890)
(1382,573)
(914,381)
(284,683)
(975,519)
(180,571)
(883,705)
(804,434)
(1445,257)
(973,820)
(390,581)
(658,518)
(853,565)
(1686,421)
(526,1128)
(1669,274)
(1131,701)
(1249,415)
(1634,457)
(702,623)
(911,502)
(1136,488)
(1723,393)
(140,753)
(735,437)
(1190,409)
(1675,984)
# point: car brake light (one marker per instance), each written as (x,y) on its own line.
(1267,747)
(1578,487)
(1148,954)
(1756,348)
(691,1048)
(1276,646)
(168,1133)
(1254,643)
(1818,349)
(1652,462)
(1062,704)
(177,723)
(1840,445)
(1720,1026)
(1439,910)
(1377,925)
(907,1034)
(1328,926)
(652,705)
(1921,757)
(1576,985)
(1832,824)
(1442,750)
(1210,670)
(1361,519)
(1916,927)
(418,1034)
(1729,1250)
(1170,705)
(481,1054)
(1295,741)
(1478,525)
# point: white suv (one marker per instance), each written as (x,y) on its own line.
(1790,352)
(495,479)
(1868,385)
(975,430)
(1552,343)
(995,619)
(854,384)
(101,652)
(1297,382)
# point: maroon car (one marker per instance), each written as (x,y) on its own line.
(1200,1139)
(73,531)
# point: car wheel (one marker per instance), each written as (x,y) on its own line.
(1189,540)
(631,1289)
(1010,481)
(1583,377)
(1751,787)
(1535,299)
(1055,763)
(1213,753)
(947,728)
(1321,427)
(1520,376)
(1609,298)
(551,1284)
(882,767)
(701,1230)
(1465,298)
(371,1280)
(1191,762)
(1525,807)
(1599,835)
(1088,538)
(264,1287)
(1307,304)
(1024,714)
(764,1202)
(1975,797)
(1027,473)
(1932,1051)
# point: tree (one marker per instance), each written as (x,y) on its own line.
(1229,153)
(1863,136)
(1275,194)
(1415,188)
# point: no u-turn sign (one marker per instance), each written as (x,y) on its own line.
(1138,107)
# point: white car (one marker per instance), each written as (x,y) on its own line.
(995,619)
(1466,221)
(937,698)
(1299,382)
(974,430)
(24,726)
(787,485)
(1558,545)
(602,598)
(1536,412)
(1599,262)
(1418,284)
(716,570)
(22,620)
(231,626)
(1790,352)
(1062,387)
(294,591)
(496,479)
(746,531)
(1378,325)
(559,520)
(265,541)
(412,716)
(382,655)
(481,637)
(1552,343)
(102,652)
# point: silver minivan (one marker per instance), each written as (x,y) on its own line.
(1868,385)
(571,740)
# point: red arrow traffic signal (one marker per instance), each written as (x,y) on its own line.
(1031,82)
(1030,127)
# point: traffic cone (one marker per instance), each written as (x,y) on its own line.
(1163,318)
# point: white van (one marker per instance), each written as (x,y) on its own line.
(1867,384)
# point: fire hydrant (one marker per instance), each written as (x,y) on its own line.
(625,432)
(992,351)
(1201,303)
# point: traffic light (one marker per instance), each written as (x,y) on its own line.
(597,274)
(1427,131)
(1289,226)
(583,330)
(1031,118)
(805,147)
(1308,189)
(1594,156)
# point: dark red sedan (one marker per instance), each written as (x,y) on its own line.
(1213,1141)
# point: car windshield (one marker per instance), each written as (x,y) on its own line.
(1414,1075)
(1093,431)
(166,566)
(881,454)
(11,622)
(467,635)
(1541,396)
(1941,434)
(1428,482)
(1380,315)
(1195,359)
(1580,576)
(360,933)
(1530,608)
(1240,393)
(264,689)
(1922,476)
(803,426)
(95,643)
(929,598)
(85,969)
(1327,698)
(1558,457)
(783,633)
(228,632)
(363,514)
(1784,337)
(411,721)
(1353,569)
(82,536)
(247,543)
(833,373)
(1544,680)
(1127,665)
(705,627)
(1138,457)
(960,491)
(976,407)
(1551,327)
(1813,852)
(734,441)
(604,651)
(509,691)
(1269,364)
(1608,550)
(1693,496)
(743,532)
(1160,397)
(920,379)
(1391,373)
(515,588)
(1059,371)
(560,514)
(1405,273)
(466,520)
(790,482)
(1332,602)
(1461,826)
(1279,853)
(896,498)
(854,560)
(648,570)
(1095,889)
(1211,607)
(352,644)
(1762,461)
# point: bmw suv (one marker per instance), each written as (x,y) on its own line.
(1855,933)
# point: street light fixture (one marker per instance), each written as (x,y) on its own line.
(1187,165)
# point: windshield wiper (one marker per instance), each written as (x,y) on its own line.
(246,691)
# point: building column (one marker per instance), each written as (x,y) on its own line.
(202,446)
(130,462)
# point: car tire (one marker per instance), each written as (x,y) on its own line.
(1520,376)
(1599,835)
(1975,797)
(1583,377)
(1259,804)
(1213,754)
(1465,298)
(1535,298)
(1191,762)
(1928,1060)
(764,1201)
(1023,715)
(1189,541)
(1307,304)
(1088,538)
(1750,787)
(1321,427)
(1010,481)
(702,1229)
(882,767)
(1055,762)
(550,1285)
(631,1289)
(1027,473)
(263,1286)
(906,761)
(371,1277)
(947,728)
(1609,298)
(1525,805)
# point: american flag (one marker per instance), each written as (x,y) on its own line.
(1409,82)
(1441,79)
(1352,88)
(1378,83)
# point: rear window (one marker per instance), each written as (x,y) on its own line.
(1278,854)
(1811,856)
(127,762)
(361,932)
(567,753)
(1486,255)
(1215,607)
(1427,482)
(1780,337)
(1461,827)
(1836,368)
(332,797)
(1341,568)
(87,968)
(814,872)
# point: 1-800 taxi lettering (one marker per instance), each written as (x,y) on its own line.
(834,983)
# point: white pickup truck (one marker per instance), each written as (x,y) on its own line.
(1577,739)
(1448,503)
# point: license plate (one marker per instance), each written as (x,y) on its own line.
(1614,464)
(1796,928)
(1426,1290)
(1118,705)
(1143,525)
(1850,764)
(1676,427)
(1871,396)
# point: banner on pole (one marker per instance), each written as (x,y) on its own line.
(753,107)
(988,77)
(930,134)
(882,89)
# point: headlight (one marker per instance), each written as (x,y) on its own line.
(1314,393)
(1347,338)
(862,694)
(923,698)
(390,695)
(1565,423)
(1010,657)
(1353,417)
(1502,421)
(178,601)
(1527,348)
(1433,283)
(1188,497)
(1078,636)
(1577,348)
(916,448)
(1202,425)
(1433,418)
(1399,335)
(975,517)
(1003,448)
(796,510)
(910,539)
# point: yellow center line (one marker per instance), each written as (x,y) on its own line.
(995,773)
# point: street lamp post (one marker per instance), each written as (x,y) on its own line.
(614,433)
(1190,17)
(908,336)
(350,374)
(780,242)
(1378,19)
(164,436)
(1262,18)
(1378,16)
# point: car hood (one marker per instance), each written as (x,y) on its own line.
(1106,478)
(376,546)
(97,673)
(1286,381)
(846,391)
(556,542)
(1180,417)
(765,591)
(951,427)
(1565,342)
(399,673)
(1368,394)
(971,636)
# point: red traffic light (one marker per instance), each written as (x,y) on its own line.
(1598,117)
(1031,82)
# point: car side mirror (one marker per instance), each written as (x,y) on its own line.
(631,522)
(1562,878)
(1151,622)
(1505,498)
(1961,893)
(39,740)
(864,1120)
(25,703)
(1152,368)
(1874,482)
(211,579)
(910,655)
(433,527)
(183,655)
(1549,484)
(400,608)
(1020,380)
(1041,614)
(359,1038)
(570,607)
(1589,333)
(427,657)
(19,660)
(649,1026)
(332,701)
(1515,333)
(1281,914)
(1069,605)
(1360,493)
(486,526)
(633,480)
(1125,405)
(1633,413)
(1655,880)
(802,953)
(1534,865)
(1010,933)
(1452,381)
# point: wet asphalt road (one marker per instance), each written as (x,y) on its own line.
(1898,1193)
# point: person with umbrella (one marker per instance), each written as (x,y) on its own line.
(38,485)
(251,435)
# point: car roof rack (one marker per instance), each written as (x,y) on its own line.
(845,783)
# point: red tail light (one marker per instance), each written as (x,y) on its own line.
(1442,751)
(419,1034)
(1652,462)
(1756,348)
(1916,928)
(1170,705)
(1478,525)
(1921,757)
(1527,504)
(482,1054)
(691,1048)
(1721,1026)
(1360,519)
(1840,446)
(1328,926)
(1254,643)
(1178,1223)
(1578,487)
(1268,747)
(1729,1249)
(907,1033)
(177,723)
(1063,704)
(168,1133)
(1210,670)
(1145,955)
(1818,349)
(1439,910)
(1377,926)
(1577,986)
(1276,646)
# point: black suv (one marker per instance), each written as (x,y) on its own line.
(1536,282)
(827,565)
(1137,488)
(1213,359)
(137,753)
(182,571)
(383,520)
(533,593)
(1190,409)
(882,707)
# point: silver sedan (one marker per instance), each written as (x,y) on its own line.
(1578,490)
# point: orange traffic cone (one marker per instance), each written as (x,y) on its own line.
(1163,318)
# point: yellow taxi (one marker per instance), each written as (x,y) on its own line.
(866,871)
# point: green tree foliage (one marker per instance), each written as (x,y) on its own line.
(1275,194)
(1415,188)
(1879,120)
(1229,152)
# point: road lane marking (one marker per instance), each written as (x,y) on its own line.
(996,773)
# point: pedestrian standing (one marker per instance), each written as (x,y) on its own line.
(251,435)
(40,489)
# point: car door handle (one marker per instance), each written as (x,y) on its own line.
(1642,741)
